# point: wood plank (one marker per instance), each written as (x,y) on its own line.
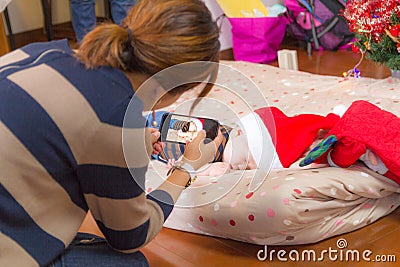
(157,255)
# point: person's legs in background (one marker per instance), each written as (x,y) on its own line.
(91,250)
(119,9)
(83,16)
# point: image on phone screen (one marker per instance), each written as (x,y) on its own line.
(180,128)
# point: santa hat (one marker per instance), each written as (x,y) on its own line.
(198,122)
(276,140)
(360,129)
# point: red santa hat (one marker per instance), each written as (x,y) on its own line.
(360,130)
(276,140)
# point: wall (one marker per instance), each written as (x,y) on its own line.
(225,35)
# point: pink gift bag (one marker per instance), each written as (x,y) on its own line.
(257,39)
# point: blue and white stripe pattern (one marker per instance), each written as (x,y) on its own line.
(61,154)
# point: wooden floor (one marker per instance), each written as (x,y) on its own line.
(179,249)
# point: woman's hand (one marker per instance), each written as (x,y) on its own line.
(157,145)
(201,151)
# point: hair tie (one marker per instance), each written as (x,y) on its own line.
(130,35)
(128,54)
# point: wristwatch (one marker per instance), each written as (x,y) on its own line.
(186,167)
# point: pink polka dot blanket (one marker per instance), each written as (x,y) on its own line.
(294,205)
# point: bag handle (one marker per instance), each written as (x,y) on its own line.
(221,17)
(333,5)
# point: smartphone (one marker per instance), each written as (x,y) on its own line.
(178,128)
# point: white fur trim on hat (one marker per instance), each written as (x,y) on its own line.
(197,122)
(339,110)
(260,142)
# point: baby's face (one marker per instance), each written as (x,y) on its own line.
(237,152)
(192,127)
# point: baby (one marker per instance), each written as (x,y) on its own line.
(264,139)
(268,139)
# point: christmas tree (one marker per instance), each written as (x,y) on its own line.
(376,24)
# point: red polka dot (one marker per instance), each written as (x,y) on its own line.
(367,206)
(252,76)
(285,93)
(298,191)
(232,102)
(312,89)
(276,100)
(241,112)
(339,222)
(249,195)
(271,213)
(217,90)
(232,222)
(251,217)
(149,190)
(214,222)
(201,218)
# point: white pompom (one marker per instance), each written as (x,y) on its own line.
(339,110)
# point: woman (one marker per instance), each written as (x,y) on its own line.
(61,135)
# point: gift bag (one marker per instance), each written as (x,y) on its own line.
(257,39)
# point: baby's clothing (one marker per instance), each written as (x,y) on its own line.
(290,135)
(359,130)
(379,167)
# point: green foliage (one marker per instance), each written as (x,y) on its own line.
(394,20)
(384,50)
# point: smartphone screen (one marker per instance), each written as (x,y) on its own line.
(180,128)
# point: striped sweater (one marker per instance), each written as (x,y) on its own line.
(61,153)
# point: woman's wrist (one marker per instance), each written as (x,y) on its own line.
(179,177)
(175,183)
(185,167)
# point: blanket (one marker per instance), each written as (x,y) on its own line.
(293,205)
